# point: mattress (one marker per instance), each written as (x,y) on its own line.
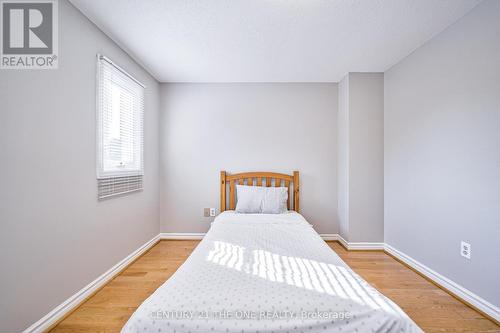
(266,273)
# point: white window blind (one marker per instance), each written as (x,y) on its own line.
(120,113)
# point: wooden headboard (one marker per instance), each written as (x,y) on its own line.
(258,179)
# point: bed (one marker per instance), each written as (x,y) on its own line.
(266,273)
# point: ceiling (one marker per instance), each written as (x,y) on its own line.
(270,40)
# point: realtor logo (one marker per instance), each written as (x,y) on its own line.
(29,34)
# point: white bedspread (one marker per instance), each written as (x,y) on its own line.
(266,273)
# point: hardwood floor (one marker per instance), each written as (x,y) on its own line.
(431,308)
(110,307)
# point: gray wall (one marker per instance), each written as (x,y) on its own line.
(206,128)
(55,237)
(361,161)
(366,161)
(442,152)
(343,158)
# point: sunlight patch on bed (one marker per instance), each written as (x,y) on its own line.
(299,272)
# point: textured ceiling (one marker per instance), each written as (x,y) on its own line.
(270,40)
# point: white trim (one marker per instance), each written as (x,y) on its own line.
(200,235)
(326,237)
(182,235)
(329,237)
(353,246)
(343,242)
(365,246)
(461,292)
(67,306)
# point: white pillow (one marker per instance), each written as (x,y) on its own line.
(259,199)
(275,199)
(249,199)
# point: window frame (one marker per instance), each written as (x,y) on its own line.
(109,73)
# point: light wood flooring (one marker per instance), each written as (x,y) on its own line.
(431,308)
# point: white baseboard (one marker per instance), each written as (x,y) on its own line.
(366,246)
(461,292)
(67,306)
(182,235)
(326,237)
(343,242)
(329,237)
(200,235)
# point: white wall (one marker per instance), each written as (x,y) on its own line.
(442,152)
(243,127)
(55,237)
(361,161)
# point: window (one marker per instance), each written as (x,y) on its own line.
(120,113)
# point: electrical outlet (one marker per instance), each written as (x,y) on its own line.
(206,212)
(465,249)
(212,211)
